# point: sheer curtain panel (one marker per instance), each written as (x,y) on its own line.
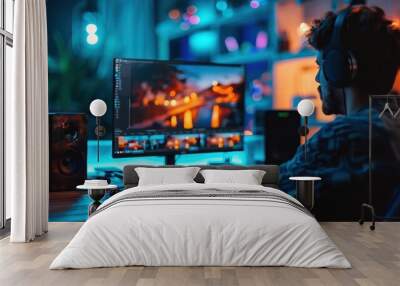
(27,123)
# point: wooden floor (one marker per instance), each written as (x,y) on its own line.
(375,257)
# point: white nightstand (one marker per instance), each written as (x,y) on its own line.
(96,193)
(305,190)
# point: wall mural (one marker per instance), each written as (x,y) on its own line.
(85,36)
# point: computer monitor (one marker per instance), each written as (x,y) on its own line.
(167,108)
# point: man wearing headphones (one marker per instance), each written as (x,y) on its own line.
(358,56)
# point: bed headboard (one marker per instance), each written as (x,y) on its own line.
(270,179)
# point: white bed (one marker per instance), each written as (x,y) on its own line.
(183,230)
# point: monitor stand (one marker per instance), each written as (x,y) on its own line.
(170,159)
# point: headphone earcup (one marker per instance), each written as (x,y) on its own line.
(339,68)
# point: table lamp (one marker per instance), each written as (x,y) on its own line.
(98,108)
(305,108)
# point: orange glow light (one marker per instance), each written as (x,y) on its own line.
(223,90)
(187,120)
(173,102)
(296,77)
(177,144)
(174,121)
(122,143)
(186,99)
(174,14)
(159,100)
(396,86)
(236,138)
(396,24)
(220,142)
(170,144)
(215,121)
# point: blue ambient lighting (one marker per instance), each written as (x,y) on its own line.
(203,42)
(221,5)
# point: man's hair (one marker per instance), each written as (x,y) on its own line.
(370,36)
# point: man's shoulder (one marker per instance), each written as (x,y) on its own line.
(342,124)
(361,118)
(345,127)
(352,126)
(355,122)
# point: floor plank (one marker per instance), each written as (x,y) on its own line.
(375,257)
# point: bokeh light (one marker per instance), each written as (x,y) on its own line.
(91,28)
(191,10)
(396,23)
(254,4)
(231,44)
(194,20)
(261,40)
(92,39)
(174,14)
(221,5)
(303,29)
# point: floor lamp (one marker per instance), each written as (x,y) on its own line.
(306,109)
(98,108)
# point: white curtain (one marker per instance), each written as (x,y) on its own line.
(27,124)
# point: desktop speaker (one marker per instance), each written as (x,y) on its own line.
(281,135)
(68,150)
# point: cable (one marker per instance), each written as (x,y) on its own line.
(344,100)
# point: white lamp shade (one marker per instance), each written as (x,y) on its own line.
(98,107)
(306,107)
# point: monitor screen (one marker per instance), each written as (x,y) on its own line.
(162,106)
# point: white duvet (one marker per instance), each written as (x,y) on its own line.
(200,231)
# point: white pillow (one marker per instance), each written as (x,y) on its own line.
(248,177)
(166,176)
